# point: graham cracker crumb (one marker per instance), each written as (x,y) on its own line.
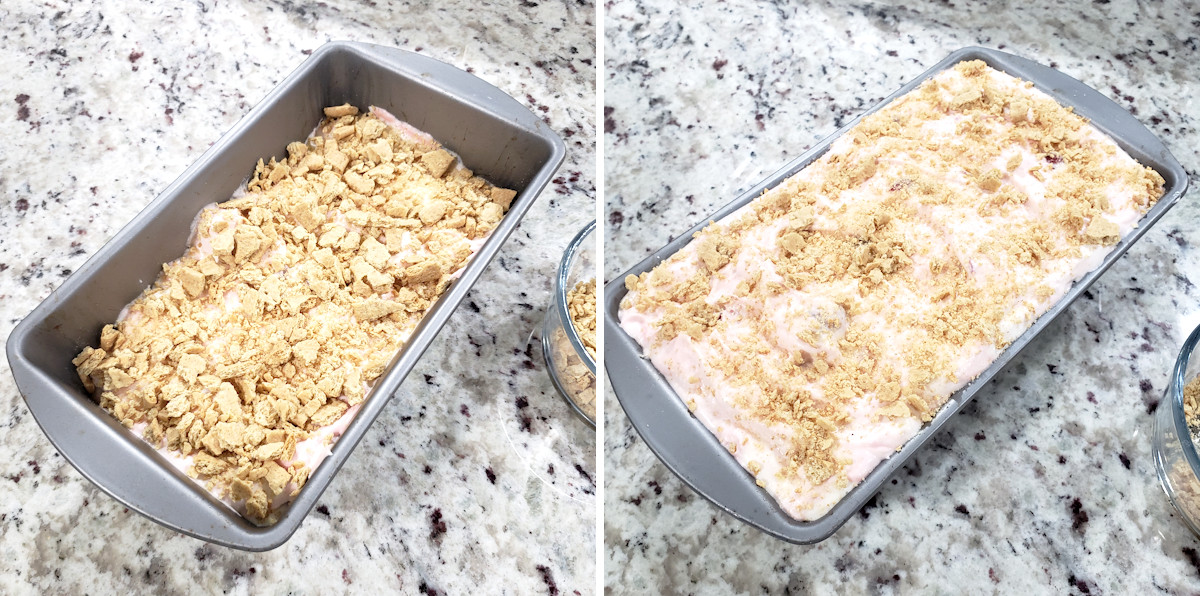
(573,374)
(716,250)
(1103,231)
(581,304)
(1191,402)
(342,110)
(503,197)
(438,162)
(1183,480)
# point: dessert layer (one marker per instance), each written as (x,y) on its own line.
(815,330)
(251,354)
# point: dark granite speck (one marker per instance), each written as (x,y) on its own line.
(1079,517)
(437,524)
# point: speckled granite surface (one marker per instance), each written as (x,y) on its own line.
(1045,482)
(476,476)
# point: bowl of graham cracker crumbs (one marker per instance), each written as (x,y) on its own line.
(1176,433)
(569,330)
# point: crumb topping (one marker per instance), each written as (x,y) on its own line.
(888,273)
(290,301)
(581,303)
(573,374)
(1191,403)
(1183,480)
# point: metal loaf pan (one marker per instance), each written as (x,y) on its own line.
(695,455)
(494,135)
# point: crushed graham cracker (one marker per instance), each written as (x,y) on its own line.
(253,351)
(1184,483)
(845,305)
(577,380)
(581,303)
(1191,404)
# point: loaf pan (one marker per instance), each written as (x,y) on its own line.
(494,135)
(695,455)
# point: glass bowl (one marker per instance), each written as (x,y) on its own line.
(571,367)
(1174,449)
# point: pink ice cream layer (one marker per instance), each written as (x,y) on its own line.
(865,438)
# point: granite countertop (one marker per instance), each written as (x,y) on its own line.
(477,476)
(1046,478)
